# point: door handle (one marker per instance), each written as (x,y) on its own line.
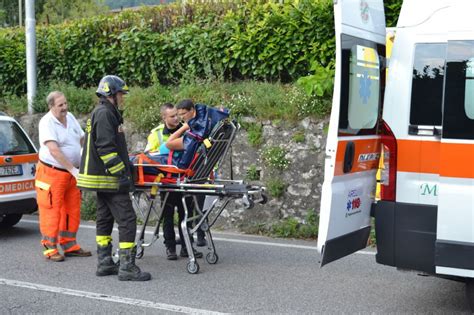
(349,157)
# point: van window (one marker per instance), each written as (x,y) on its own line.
(12,140)
(361,85)
(469,94)
(458,118)
(427,84)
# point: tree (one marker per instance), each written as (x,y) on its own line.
(57,11)
(8,12)
(117,4)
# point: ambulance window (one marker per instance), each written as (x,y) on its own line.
(361,85)
(427,84)
(12,140)
(458,118)
(469,93)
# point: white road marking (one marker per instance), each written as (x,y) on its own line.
(231,240)
(106,297)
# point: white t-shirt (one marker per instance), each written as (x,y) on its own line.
(67,137)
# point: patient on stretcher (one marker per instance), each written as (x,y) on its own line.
(180,148)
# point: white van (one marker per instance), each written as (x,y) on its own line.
(421,121)
(18,158)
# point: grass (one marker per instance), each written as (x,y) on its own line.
(289,227)
(253,173)
(262,100)
(254,133)
(276,187)
(274,157)
(298,137)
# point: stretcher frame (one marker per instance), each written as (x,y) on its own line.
(198,181)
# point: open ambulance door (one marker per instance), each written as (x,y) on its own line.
(353,143)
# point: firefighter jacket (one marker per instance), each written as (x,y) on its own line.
(104,162)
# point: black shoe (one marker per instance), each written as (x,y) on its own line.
(201,242)
(171,254)
(128,271)
(184,253)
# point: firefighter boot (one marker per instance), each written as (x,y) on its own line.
(128,271)
(106,265)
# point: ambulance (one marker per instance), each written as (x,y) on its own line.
(18,158)
(421,121)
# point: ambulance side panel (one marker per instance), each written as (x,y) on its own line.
(430,225)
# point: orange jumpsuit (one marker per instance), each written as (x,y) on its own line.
(59,203)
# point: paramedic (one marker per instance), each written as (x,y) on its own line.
(105,168)
(157,144)
(186,111)
(59,200)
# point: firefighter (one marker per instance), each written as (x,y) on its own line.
(105,168)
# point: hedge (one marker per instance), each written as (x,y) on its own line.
(253,40)
(256,40)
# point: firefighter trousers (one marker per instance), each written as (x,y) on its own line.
(116,206)
(59,204)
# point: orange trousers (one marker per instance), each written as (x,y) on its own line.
(59,204)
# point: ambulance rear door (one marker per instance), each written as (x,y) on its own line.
(455,223)
(353,143)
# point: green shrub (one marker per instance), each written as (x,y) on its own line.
(286,228)
(142,106)
(253,173)
(392,10)
(282,102)
(234,40)
(255,134)
(276,101)
(298,137)
(290,227)
(14,105)
(276,187)
(274,157)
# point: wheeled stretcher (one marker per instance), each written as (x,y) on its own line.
(197,180)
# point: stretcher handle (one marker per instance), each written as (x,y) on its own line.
(154,189)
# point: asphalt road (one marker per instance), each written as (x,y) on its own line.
(253,275)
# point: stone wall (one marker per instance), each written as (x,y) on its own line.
(302,178)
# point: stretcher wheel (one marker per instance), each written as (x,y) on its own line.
(249,203)
(264,199)
(212,258)
(140,252)
(204,226)
(192,267)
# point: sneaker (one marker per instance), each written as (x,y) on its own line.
(201,242)
(56,257)
(184,253)
(171,254)
(78,253)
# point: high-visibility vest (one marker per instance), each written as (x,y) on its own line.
(156,138)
